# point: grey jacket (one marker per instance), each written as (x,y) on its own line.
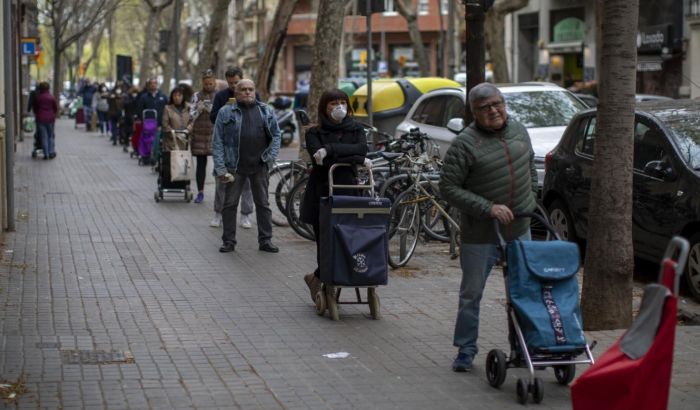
(227,132)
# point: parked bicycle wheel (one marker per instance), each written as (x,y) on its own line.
(404,228)
(293,210)
(538,231)
(282,180)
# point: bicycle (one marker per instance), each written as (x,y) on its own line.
(282,178)
(407,215)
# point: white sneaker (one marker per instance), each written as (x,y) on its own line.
(245,222)
(216,222)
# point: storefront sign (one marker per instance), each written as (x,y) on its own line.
(569,29)
(653,39)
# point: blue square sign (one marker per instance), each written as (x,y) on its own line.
(28,47)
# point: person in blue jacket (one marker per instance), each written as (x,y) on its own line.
(245,145)
(87,92)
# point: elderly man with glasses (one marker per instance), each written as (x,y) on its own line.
(489,172)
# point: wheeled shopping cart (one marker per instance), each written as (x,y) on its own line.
(166,181)
(149,131)
(353,246)
(635,373)
(544,318)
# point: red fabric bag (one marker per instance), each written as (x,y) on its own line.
(617,381)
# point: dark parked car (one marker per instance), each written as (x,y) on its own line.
(666,182)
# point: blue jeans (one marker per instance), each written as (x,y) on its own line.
(88,117)
(114,127)
(477,260)
(47,137)
(102,123)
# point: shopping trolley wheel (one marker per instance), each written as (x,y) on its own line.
(374,303)
(188,196)
(521,390)
(537,389)
(496,367)
(565,373)
(320,300)
(332,303)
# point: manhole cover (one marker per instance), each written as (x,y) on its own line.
(95,357)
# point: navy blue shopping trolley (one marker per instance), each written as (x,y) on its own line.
(353,246)
(544,319)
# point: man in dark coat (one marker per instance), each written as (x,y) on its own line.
(154,99)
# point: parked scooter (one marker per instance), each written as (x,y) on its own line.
(285,118)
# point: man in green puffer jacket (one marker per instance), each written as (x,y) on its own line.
(489,172)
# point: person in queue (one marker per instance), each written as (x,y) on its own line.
(489,172)
(246,142)
(336,138)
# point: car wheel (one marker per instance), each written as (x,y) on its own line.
(561,221)
(692,268)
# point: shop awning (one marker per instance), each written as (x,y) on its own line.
(565,47)
(649,63)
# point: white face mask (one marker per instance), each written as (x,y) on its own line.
(339,112)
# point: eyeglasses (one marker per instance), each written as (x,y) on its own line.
(487,107)
(208,73)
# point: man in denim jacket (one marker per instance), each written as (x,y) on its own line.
(245,144)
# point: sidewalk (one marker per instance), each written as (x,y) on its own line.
(96,265)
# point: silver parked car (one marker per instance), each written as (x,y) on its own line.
(544,109)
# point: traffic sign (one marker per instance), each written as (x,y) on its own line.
(28,46)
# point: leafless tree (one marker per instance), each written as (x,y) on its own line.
(407,9)
(69,21)
(147,54)
(275,39)
(494,36)
(324,65)
(214,31)
(607,281)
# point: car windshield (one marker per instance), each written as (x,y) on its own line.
(685,125)
(536,109)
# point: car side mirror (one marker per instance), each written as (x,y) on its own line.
(302,118)
(455,125)
(661,170)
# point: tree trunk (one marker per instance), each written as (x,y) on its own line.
(149,37)
(275,39)
(57,72)
(607,280)
(110,29)
(408,12)
(495,38)
(213,33)
(148,41)
(324,66)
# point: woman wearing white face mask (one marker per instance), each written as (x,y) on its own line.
(336,138)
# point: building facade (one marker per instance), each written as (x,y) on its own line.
(555,40)
(392,53)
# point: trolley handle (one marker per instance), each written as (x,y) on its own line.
(331,185)
(677,252)
(540,218)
